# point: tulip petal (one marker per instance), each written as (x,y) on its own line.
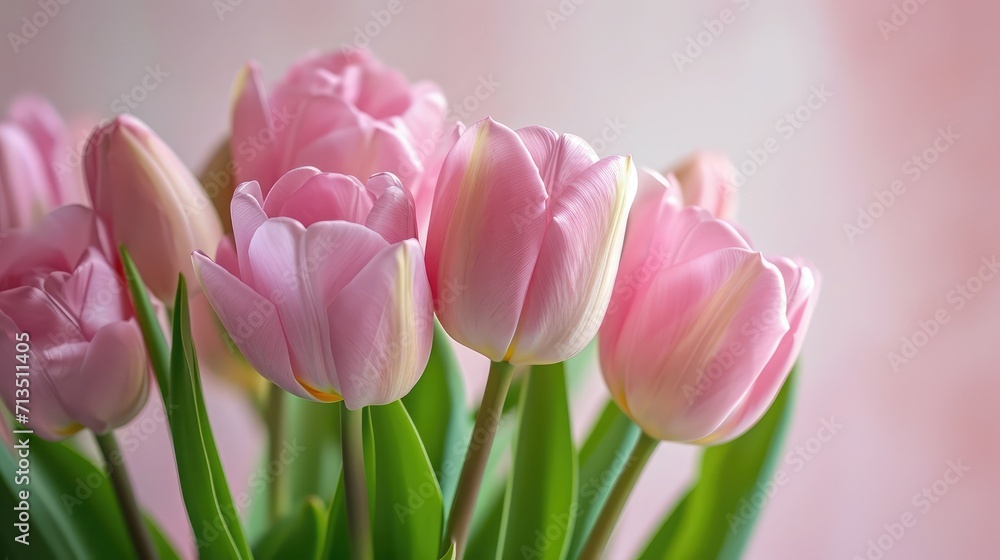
(48,417)
(802,286)
(708,328)
(253,154)
(384,346)
(486,231)
(324,196)
(249,319)
(558,157)
(575,273)
(113,380)
(301,270)
(22,180)
(392,216)
(248,215)
(92,294)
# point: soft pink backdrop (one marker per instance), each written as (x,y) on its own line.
(614,61)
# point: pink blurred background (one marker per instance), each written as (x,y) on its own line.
(898,72)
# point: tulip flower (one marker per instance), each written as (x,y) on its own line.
(702,330)
(524,241)
(708,180)
(342,112)
(151,202)
(323,287)
(33,180)
(63,305)
(522,250)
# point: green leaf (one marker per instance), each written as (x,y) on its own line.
(160,542)
(484,533)
(541,496)
(156,343)
(299,535)
(450,553)
(437,407)
(337,539)
(708,522)
(73,508)
(602,458)
(315,428)
(214,518)
(408,511)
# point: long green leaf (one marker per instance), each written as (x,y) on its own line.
(73,509)
(299,535)
(712,521)
(541,496)
(156,343)
(408,511)
(337,542)
(437,407)
(214,518)
(603,456)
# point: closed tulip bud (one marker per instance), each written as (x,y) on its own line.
(708,180)
(524,241)
(33,180)
(65,316)
(150,200)
(323,287)
(702,330)
(342,112)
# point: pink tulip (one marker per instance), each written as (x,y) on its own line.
(323,287)
(152,203)
(60,289)
(524,241)
(708,180)
(343,112)
(33,179)
(702,330)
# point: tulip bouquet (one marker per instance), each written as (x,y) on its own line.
(342,242)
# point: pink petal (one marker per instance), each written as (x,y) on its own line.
(253,154)
(802,287)
(23,180)
(575,272)
(250,320)
(93,294)
(248,215)
(559,158)
(392,215)
(301,270)
(486,231)
(324,196)
(719,315)
(381,327)
(112,382)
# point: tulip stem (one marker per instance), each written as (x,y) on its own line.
(115,464)
(275,432)
(593,549)
(487,421)
(355,483)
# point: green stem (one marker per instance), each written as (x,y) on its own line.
(606,520)
(487,421)
(355,484)
(276,492)
(115,462)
